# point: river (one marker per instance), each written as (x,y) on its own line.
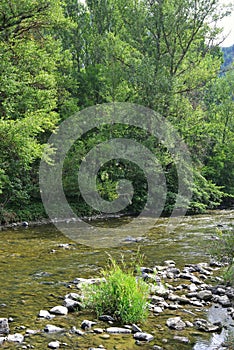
(35,275)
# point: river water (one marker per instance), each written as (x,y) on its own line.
(35,274)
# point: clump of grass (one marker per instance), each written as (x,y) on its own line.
(122,296)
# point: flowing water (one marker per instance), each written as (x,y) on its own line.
(35,274)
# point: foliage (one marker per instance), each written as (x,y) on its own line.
(57,57)
(222,249)
(122,295)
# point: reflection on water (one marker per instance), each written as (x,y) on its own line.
(35,271)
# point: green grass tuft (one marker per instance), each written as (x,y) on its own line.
(122,296)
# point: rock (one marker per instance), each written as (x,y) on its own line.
(179,299)
(15,338)
(169,263)
(176,323)
(49,328)
(73,296)
(72,305)
(157,347)
(105,336)
(100,347)
(86,324)
(184,340)
(59,310)
(31,331)
(2,339)
(76,331)
(24,224)
(159,290)
(143,336)
(223,300)
(157,310)
(4,327)
(135,328)
(98,330)
(146,270)
(206,326)
(192,287)
(54,344)
(45,314)
(118,330)
(106,318)
(205,295)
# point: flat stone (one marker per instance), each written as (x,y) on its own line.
(45,314)
(118,330)
(105,336)
(49,328)
(54,344)
(142,336)
(59,310)
(176,323)
(15,338)
(4,326)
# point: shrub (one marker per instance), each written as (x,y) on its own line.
(222,249)
(122,296)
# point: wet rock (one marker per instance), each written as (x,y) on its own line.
(86,324)
(49,328)
(206,326)
(184,340)
(15,338)
(54,344)
(45,314)
(24,224)
(118,330)
(142,336)
(4,327)
(176,323)
(106,318)
(59,310)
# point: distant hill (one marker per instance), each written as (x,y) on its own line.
(228,53)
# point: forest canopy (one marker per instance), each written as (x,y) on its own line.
(60,57)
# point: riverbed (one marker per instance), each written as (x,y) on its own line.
(38,263)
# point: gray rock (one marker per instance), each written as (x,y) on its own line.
(86,324)
(54,344)
(106,318)
(4,326)
(49,328)
(135,328)
(73,296)
(184,340)
(2,339)
(15,338)
(118,330)
(192,287)
(31,331)
(45,314)
(143,336)
(59,310)
(223,300)
(72,305)
(206,326)
(76,331)
(157,347)
(98,330)
(205,295)
(176,323)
